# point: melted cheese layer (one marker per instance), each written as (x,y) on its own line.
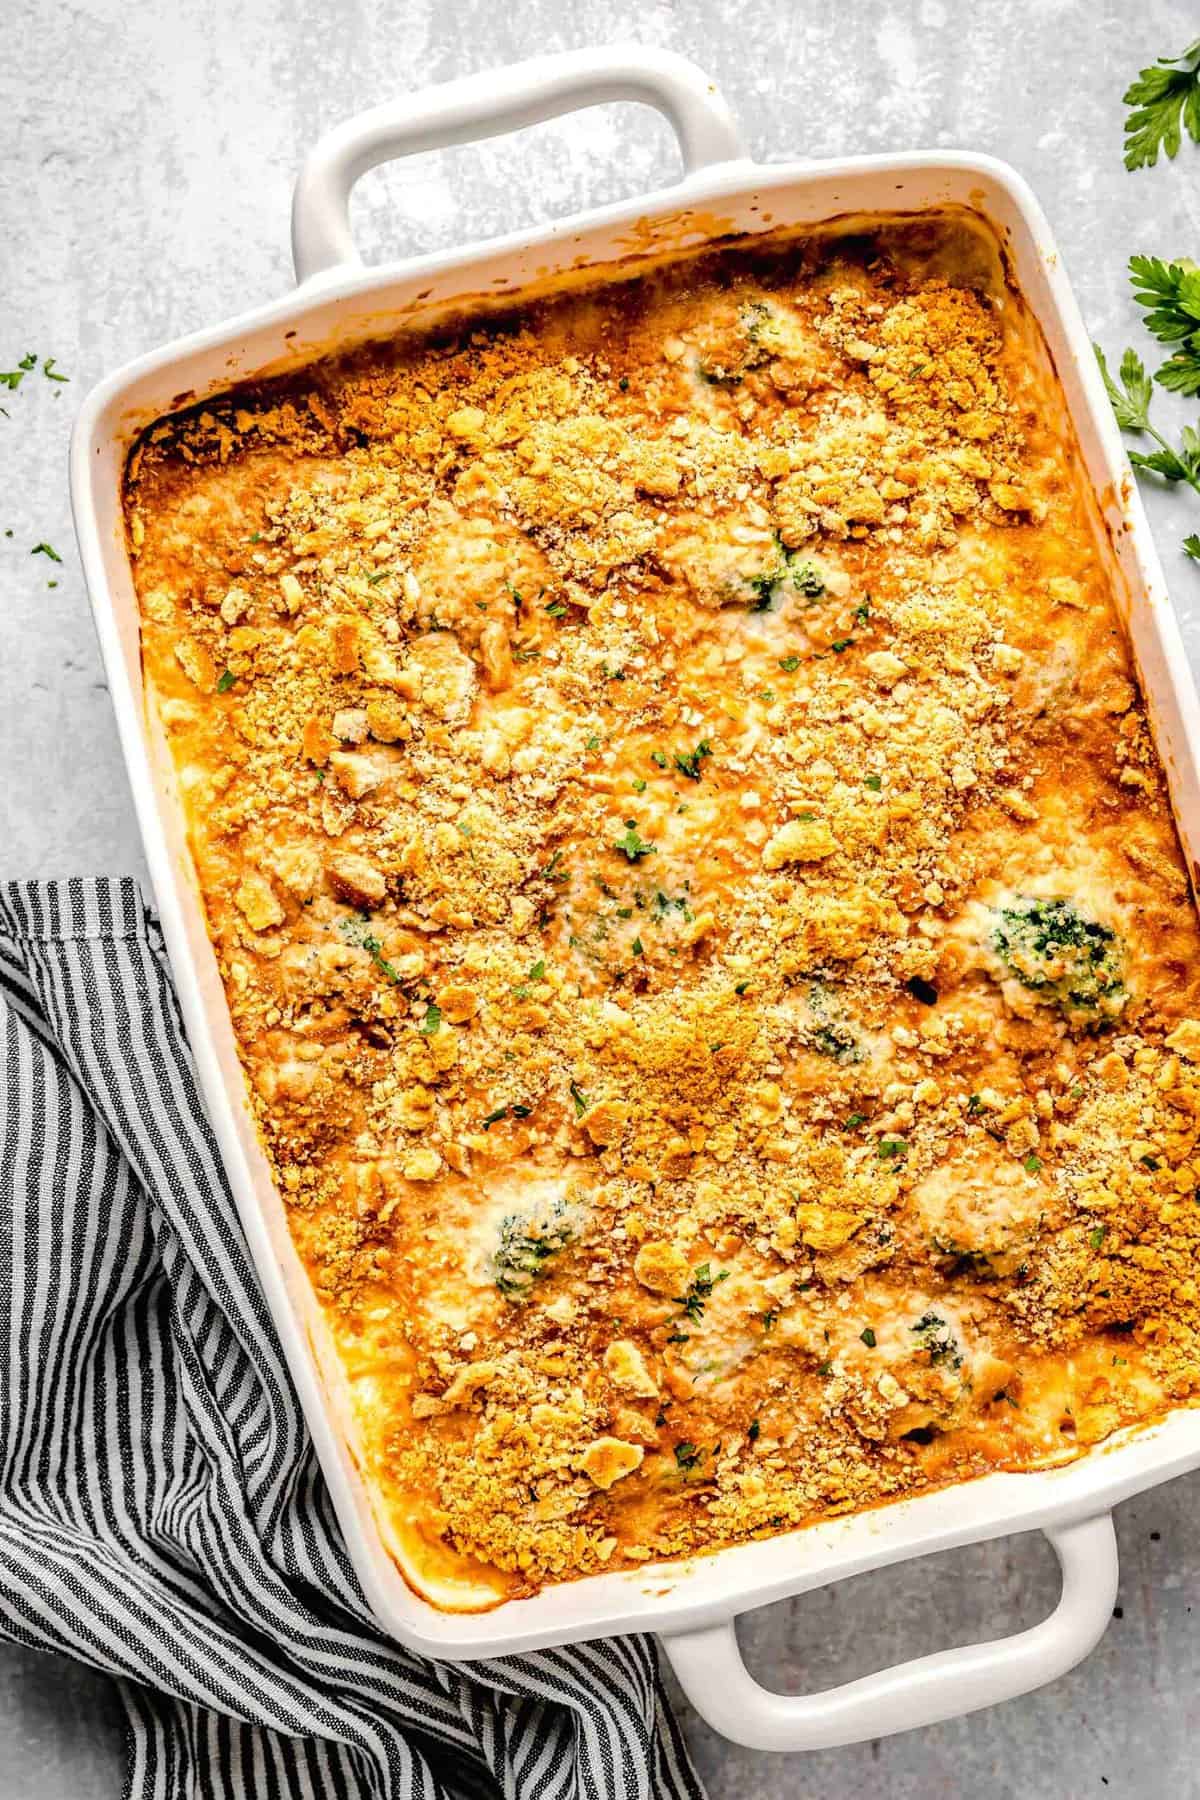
(697,899)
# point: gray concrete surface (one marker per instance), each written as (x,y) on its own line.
(146,158)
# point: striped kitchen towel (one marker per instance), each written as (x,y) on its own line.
(162,1515)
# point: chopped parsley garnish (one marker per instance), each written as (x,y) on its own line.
(535,973)
(226,681)
(974,1104)
(1150,1162)
(854,1121)
(50,372)
(552,870)
(1032,1164)
(740,987)
(769,1318)
(639,786)
(46,550)
(688,1456)
(868,1338)
(556,609)
(637,947)
(432,1020)
(379,575)
(840,644)
(494,1118)
(593,742)
(889,1147)
(580,1099)
(374,950)
(12,378)
(1097,1235)
(699,1291)
(659,757)
(753,1430)
(874,782)
(789,664)
(688,761)
(632,845)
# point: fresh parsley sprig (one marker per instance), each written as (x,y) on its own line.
(1166,100)
(1131,405)
(1170,293)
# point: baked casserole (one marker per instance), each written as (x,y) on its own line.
(696,894)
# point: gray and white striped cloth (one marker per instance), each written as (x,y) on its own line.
(162,1515)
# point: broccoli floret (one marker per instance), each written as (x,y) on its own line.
(1060,954)
(527,1243)
(806,578)
(829,1034)
(760,329)
(935,1337)
(785,568)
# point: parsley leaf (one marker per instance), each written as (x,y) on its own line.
(46,550)
(432,1020)
(699,1290)
(226,681)
(580,1098)
(688,761)
(374,950)
(1170,293)
(1165,98)
(632,845)
(1131,401)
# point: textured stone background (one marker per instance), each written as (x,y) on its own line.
(147,152)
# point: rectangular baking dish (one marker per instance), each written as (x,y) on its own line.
(338,304)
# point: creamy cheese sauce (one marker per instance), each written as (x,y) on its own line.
(697,899)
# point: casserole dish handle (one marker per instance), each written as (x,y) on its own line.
(485,105)
(709,1665)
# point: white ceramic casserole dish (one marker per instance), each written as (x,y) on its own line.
(339,303)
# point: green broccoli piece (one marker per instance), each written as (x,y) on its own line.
(1060,954)
(804,576)
(527,1243)
(935,1337)
(828,1033)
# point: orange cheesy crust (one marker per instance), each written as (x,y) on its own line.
(696,894)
